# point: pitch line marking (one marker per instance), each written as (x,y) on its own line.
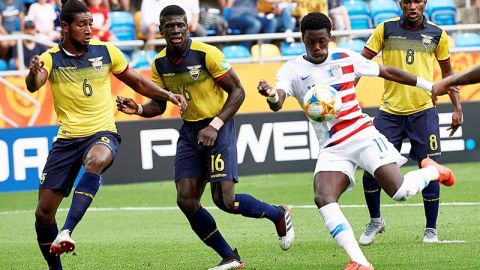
(175,208)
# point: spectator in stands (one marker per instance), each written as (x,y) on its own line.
(117,5)
(150,10)
(12,15)
(192,9)
(30,48)
(101,22)
(43,15)
(282,14)
(339,15)
(306,6)
(244,16)
(212,18)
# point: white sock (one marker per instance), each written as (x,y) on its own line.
(415,181)
(341,231)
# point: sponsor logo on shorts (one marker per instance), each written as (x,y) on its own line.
(42,178)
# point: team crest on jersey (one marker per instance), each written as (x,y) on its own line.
(97,62)
(427,40)
(194,71)
(336,70)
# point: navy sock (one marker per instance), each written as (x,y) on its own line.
(431,202)
(248,206)
(205,227)
(46,233)
(372,192)
(82,198)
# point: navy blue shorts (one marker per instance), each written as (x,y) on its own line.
(66,158)
(422,129)
(216,163)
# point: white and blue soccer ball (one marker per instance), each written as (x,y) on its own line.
(322,103)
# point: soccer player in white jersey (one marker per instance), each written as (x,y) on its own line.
(350,139)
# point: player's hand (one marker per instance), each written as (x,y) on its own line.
(457,121)
(440,88)
(265,89)
(207,136)
(36,65)
(126,105)
(179,100)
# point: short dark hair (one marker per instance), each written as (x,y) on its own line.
(315,21)
(70,8)
(171,10)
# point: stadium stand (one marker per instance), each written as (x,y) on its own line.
(137,17)
(294,48)
(226,14)
(265,50)
(140,59)
(467,40)
(382,10)
(122,25)
(236,51)
(442,12)
(359,14)
(3,65)
(355,45)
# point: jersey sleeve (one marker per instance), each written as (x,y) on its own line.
(216,63)
(441,52)
(119,63)
(284,80)
(375,42)
(364,66)
(46,57)
(156,78)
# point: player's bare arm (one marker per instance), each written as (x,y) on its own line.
(275,97)
(457,116)
(397,75)
(149,89)
(147,110)
(236,94)
(37,76)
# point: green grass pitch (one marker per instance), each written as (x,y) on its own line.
(138,226)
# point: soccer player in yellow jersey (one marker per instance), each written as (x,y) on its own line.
(412,43)
(79,73)
(206,148)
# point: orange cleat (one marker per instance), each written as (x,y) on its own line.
(446,177)
(356,266)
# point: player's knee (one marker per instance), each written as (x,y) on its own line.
(322,199)
(95,165)
(225,204)
(44,215)
(187,204)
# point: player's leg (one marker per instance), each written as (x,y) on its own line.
(334,174)
(423,132)
(46,225)
(392,127)
(100,149)
(223,173)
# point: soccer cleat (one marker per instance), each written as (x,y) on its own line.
(284,227)
(430,236)
(446,177)
(62,243)
(356,266)
(231,262)
(373,228)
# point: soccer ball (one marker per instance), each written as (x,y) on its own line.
(322,103)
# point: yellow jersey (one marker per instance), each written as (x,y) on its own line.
(194,75)
(81,88)
(414,50)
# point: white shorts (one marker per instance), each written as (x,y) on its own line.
(368,149)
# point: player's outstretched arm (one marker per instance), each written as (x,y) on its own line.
(37,76)
(469,76)
(149,89)
(147,110)
(275,97)
(457,115)
(397,75)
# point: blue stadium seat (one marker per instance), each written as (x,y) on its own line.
(359,14)
(122,25)
(467,40)
(140,59)
(355,45)
(236,51)
(11,64)
(3,65)
(382,10)
(442,12)
(294,48)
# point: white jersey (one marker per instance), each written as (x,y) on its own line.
(339,70)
